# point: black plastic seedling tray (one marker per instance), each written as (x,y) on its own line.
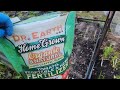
(86,34)
(89,35)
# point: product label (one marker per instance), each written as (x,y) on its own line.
(41,45)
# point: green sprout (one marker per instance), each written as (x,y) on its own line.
(117,77)
(115,60)
(107,52)
(101,76)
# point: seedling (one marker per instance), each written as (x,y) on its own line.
(117,77)
(101,76)
(107,53)
(1,64)
(115,60)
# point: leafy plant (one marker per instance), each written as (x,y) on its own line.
(111,54)
(10,74)
(117,77)
(101,76)
(115,60)
(1,64)
(18,76)
(107,52)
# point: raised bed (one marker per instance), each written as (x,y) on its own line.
(86,34)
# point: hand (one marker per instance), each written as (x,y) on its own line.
(6,26)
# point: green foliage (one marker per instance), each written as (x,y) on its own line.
(107,52)
(113,56)
(2,70)
(89,15)
(115,60)
(101,76)
(17,76)
(117,77)
(6,73)
(1,64)
(109,30)
(31,14)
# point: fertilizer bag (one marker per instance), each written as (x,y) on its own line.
(40,47)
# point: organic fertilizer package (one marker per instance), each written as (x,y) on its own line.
(40,47)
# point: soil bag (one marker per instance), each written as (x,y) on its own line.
(40,47)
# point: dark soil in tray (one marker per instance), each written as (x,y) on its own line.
(86,34)
(104,72)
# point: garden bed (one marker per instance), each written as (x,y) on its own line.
(109,69)
(86,34)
